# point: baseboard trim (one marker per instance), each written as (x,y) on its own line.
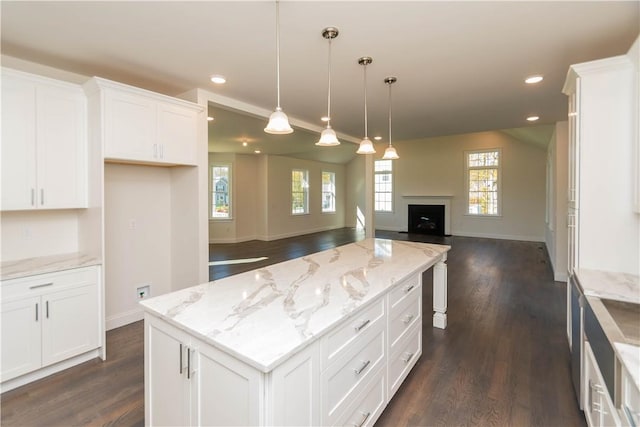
(268,238)
(479,235)
(122,319)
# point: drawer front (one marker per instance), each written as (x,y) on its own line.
(630,399)
(368,406)
(344,338)
(401,362)
(344,380)
(41,284)
(406,289)
(403,316)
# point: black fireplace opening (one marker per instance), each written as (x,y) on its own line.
(426,219)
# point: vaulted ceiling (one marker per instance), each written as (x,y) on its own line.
(460,65)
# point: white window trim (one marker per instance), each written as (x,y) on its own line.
(393,191)
(335,199)
(306,193)
(212,190)
(466,181)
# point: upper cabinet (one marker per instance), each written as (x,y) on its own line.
(603,117)
(139,126)
(44,143)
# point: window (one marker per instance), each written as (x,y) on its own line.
(220,191)
(383,182)
(483,182)
(328,192)
(299,191)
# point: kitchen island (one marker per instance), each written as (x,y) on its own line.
(325,339)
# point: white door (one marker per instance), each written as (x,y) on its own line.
(70,323)
(177,134)
(167,393)
(21,348)
(130,128)
(61,148)
(226,392)
(18,145)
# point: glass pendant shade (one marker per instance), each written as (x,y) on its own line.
(328,138)
(278,123)
(390,153)
(366,147)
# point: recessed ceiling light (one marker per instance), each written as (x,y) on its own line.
(377,138)
(533,118)
(218,79)
(209,119)
(533,79)
(324,119)
(257,151)
(244,144)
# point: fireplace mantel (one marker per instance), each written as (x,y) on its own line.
(432,199)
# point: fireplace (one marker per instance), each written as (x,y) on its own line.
(427,219)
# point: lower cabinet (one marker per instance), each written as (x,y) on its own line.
(598,405)
(48,319)
(344,378)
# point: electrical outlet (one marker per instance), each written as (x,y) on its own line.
(143,291)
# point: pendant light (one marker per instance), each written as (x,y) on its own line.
(278,121)
(390,153)
(366,146)
(328,136)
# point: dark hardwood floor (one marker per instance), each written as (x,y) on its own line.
(502,361)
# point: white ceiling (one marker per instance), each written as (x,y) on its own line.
(460,65)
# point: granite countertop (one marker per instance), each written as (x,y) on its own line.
(598,285)
(46,264)
(265,315)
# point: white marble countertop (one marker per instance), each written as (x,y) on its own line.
(610,285)
(45,264)
(629,355)
(264,316)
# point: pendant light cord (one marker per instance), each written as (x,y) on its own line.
(278,50)
(389,114)
(365,102)
(329,83)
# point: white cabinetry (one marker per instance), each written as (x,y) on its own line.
(345,377)
(598,406)
(44,143)
(145,127)
(602,128)
(48,319)
(630,398)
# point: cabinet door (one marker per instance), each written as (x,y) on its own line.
(177,134)
(130,127)
(225,391)
(20,337)
(167,394)
(18,143)
(70,323)
(61,148)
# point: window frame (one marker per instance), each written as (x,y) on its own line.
(498,192)
(331,192)
(375,189)
(305,191)
(212,191)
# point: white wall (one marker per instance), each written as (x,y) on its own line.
(556,219)
(137,237)
(435,166)
(261,199)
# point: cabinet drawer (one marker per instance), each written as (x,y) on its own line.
(368,406)
(401,362)
(406,289)
(50,282)
(345,379)
(630,399)
(343,338)
(403,316)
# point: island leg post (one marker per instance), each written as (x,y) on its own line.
(440,294)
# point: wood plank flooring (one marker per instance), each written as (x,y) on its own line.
(502,361)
